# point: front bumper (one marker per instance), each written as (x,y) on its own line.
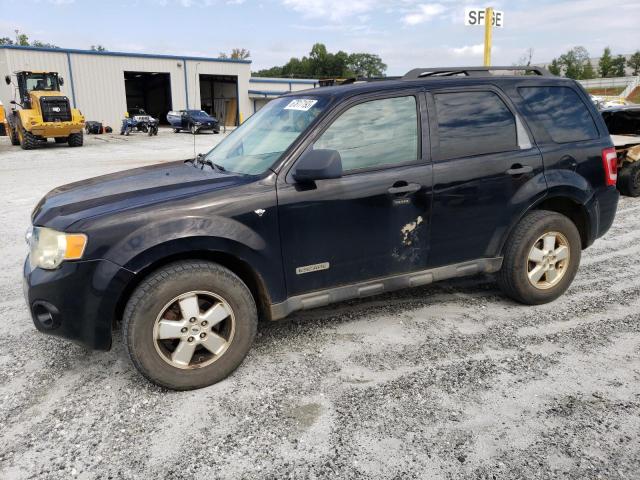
(76,301)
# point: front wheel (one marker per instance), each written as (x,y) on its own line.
(194,129)
(541,258)
(189,324)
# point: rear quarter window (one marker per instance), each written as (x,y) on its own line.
(562,113)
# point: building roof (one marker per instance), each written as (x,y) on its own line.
(122,54)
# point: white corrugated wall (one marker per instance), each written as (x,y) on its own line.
(98,80)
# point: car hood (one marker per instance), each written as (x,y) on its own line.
(128,189)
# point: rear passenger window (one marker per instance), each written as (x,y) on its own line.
(474,123)
(562,112)
(374,134)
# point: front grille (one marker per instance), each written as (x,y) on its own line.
(55,109)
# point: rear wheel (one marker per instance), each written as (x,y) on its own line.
(541,258)
(189,324)
(76,139)
(629,180)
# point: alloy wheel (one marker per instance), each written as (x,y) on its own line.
(548,260)
(194,329)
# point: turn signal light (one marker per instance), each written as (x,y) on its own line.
(610,161)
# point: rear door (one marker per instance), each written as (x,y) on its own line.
(373,221)
(565,131)
(486,171)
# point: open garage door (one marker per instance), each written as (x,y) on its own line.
(219,97)
(150,91)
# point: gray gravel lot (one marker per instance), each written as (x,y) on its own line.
(447,381)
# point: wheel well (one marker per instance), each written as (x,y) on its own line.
(571,209)
(251,279)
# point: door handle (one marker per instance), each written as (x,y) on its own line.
(404,187)
(518,169)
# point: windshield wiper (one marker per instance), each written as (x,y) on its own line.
(201,161)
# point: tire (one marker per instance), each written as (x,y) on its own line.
(13,136)
(513,277)
(152,301)
(28,141)
(629,180)
(61,139)
(176,130)
(76,139)
(193,129)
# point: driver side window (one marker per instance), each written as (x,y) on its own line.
(374,134)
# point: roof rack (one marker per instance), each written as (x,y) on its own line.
(469,71)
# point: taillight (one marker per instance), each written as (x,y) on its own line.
(610,161)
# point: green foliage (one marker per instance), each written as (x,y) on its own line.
(634,63)
(573,64)
(236,54)
(323,64)
(605,65)
(618,64)
(555,68)
(22,40)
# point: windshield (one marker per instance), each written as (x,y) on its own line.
(199,114)
(42,81)
(260,141)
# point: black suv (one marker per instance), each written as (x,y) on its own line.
(322,196)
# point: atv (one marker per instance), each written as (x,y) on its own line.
(137,120)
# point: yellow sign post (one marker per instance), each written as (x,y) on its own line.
(488,28)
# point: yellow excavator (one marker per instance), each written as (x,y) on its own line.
(44,112)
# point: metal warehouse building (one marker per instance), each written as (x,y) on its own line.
(104,85)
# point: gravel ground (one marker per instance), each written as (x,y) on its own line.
(447,381)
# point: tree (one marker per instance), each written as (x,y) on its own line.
(6,41)
(22,39)
(618,64)
(633,63)
(322,64)
(98,48)
(366,65)
(604,64)
(236,54)
(574,64)
(555,68)
(38,43)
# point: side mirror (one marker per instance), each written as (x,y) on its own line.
(7,79)
(61,81)
(318,165)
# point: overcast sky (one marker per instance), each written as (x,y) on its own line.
(405,33)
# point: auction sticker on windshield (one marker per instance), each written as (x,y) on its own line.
(302,104)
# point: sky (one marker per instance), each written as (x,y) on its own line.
(405,33)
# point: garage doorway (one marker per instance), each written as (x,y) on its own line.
(150,91)
(219,97)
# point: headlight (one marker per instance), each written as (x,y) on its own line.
(49,248)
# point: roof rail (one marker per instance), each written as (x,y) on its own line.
(469,71)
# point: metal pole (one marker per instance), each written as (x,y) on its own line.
(488,27)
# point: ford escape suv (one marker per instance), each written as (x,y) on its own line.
(321,196)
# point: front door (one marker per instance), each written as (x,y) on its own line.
(373,221)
